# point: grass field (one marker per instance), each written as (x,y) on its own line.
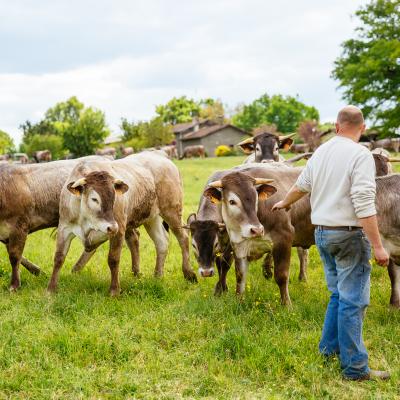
(168,339)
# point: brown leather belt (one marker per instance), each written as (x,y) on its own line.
(339,228)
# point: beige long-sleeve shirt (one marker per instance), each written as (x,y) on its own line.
(341,178)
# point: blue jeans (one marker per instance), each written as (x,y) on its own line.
(345,255)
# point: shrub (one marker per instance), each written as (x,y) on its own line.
(223,151)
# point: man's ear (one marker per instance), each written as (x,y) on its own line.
(265,191)
(247,145)
(213,194)
(76,187)
(286,144)
(120,186)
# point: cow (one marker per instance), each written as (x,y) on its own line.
(194,151)
(4,157)
(108,200)
(253,229)
(20,158)
(265,146)
(42,156)
(300,148)
(126,151)
(170,150)
(29,201)
(388,214)
(392,144)
(107,151)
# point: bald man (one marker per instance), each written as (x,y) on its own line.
(340,177)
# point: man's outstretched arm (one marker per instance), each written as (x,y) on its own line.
(293,195)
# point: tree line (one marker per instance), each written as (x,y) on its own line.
(368,73)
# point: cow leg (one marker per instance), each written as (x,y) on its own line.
(82,261)
(303,259)
(114,256)
(132,241)
(394,275)
(159,236)
(15,248)
(281,254)
(267,266)
(30,266)
(241,266)
(174,221)
(223,265)
(64,238)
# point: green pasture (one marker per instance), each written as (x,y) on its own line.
(168,339)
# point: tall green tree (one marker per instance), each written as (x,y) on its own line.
(54,143)
(178,110)
(6,143)
(286,113)
(368,69)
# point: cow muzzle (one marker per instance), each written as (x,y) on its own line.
(206,272)
(112,229)
(256,231)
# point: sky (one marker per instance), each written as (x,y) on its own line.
(126,56)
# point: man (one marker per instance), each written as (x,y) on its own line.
(341,179)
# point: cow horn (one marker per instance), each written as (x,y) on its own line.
(79,182)
(394,159)
(263,181)
(287,136)
(215,184)
(246,141)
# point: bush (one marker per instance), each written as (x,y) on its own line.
(223,151)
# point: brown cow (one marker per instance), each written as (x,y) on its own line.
(253,228)
(107,151)
(42,156)
(300,148)
(29,201)
(107,200)
(194,151)
(126,151)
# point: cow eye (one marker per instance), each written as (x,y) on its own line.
(232,202)
(95,200)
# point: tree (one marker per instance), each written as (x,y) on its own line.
(53,143)
(85,135)
(286,113)
(145,134)
(368,69)
(213,110)
(82,130)
(6,143)
(178,110)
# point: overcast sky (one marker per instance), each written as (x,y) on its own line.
(126,56)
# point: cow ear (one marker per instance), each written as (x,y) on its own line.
(286,144)
(120,186)
(76,187)
(213,194)
(265,191)
(247,145)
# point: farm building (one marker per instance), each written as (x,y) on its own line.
(207,133)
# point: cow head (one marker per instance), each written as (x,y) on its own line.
(206,237)
(238,195)
(266,146)
(97,192)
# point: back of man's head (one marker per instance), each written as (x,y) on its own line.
(351,116)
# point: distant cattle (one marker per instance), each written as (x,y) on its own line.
(42,156)
(194,151)
(108,200)
(171,151)
(4,157)
(392,144)
(107,151)
(20,158)
(126,151)
(300,148)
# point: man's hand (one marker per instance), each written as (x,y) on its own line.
(381,256)
(281,205)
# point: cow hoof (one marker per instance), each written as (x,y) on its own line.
(220,289)
(114,292)
(395,304)
(137,274)
(302,278)
(13,288)
(267,275)
(190,276)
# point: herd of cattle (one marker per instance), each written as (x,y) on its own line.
(99,199)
